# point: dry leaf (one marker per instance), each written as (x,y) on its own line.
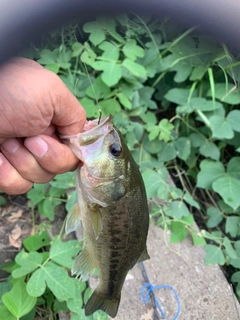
(15,243)
(148,315)
(15,216)
(14,237)
(16,232)
(4,211)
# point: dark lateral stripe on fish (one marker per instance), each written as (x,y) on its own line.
(113,274)
(113,247)
(115,254)
(115,240)
(116,231)
(114,261)
(113,266)
(111,287)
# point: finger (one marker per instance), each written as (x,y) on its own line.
(69,115)
(11,181)
(24,162)
(25,85)
(50,130)
(51,154)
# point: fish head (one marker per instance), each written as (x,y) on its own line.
(104,157)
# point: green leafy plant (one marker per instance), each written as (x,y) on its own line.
(173,93)
(41,279)
(47,196)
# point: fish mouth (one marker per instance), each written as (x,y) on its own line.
(97,124)
(92,128)
(92,131)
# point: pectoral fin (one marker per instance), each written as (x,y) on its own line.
(73,219)
(83,265)
(144,256)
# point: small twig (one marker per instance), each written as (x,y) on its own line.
(63,228)
(194,192)
(100,116)
(166,241)
(3,279)
(211,198)
(203,195)
(33,219)
(179,175)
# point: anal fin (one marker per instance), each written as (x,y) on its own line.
(84,265)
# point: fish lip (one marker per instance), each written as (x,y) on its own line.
(97,126)
(93,124)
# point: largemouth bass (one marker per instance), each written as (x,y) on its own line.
(112,206)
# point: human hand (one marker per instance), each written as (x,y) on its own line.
(35,106)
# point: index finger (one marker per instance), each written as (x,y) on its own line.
(69,115)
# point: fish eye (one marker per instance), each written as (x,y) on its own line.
(115,149)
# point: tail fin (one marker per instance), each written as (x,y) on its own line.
(98,302)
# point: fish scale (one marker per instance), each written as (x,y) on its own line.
(112,206)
